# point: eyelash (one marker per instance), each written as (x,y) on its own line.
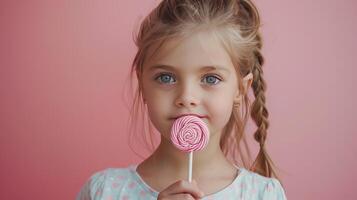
(169,74)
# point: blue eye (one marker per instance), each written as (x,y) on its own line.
(213,80)
(164,78)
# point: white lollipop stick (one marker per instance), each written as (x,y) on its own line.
(190,158)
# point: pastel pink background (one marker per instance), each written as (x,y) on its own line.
(63,65)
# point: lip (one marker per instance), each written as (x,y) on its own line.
(191,114)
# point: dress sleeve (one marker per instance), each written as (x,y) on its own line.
(93,188)
(274,191)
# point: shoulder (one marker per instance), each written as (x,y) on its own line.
(261,187)
(104,182)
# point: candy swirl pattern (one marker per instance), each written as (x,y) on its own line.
(189,133)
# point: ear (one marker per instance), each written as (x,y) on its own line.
(247,83)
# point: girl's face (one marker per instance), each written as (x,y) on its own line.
(190,76)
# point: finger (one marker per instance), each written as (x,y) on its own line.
(182,186)
(177,197)
(184,197)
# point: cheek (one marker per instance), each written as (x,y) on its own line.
(220,111)
(158,102)
(159,108)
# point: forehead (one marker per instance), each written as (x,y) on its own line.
(200,50)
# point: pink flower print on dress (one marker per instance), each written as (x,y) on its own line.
(99,192)
(132,185)
(254,190)
(142,193)
(115,185)
(120,177)
(125,198)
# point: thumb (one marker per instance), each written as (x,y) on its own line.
(194,182)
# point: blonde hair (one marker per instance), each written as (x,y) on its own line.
(236,23)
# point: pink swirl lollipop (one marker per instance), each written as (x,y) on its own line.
(189,133)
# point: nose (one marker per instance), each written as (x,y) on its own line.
(188,96)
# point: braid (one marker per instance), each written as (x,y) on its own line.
(263,164)
(259,111)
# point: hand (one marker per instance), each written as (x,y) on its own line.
(181,190)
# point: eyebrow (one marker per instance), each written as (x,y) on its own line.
(203,68)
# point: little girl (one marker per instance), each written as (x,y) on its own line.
(198,57)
